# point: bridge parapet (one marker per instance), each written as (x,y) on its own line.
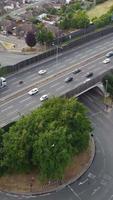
(84,87)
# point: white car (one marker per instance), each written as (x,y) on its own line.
(88,79)
(44,97)
(107,60)
(42,71)
(33,91)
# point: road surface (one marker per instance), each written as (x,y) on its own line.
(97,182)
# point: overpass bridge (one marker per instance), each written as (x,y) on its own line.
(72,90)
(86,86)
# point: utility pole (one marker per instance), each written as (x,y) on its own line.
(106,86)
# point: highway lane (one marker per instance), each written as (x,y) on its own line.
(97,182)
(53,67)
(22,104)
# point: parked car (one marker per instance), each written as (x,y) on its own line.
(68,79)
(107,60)
(76,71)
(89,74)
(42,71)
(109,54)
(33,91)
(44,97)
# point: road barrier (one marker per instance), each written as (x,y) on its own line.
(78,41)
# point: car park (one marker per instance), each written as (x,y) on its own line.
(44,97)
(68,79)
(89,74)
(107,60)
(42,71)
(33,91)
(109,54)
(76,71)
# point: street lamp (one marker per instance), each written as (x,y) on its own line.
(53,44)
(106,86)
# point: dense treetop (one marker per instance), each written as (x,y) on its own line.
(47,139)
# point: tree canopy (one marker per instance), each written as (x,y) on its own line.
(108,84)
(30,39)
(47,139)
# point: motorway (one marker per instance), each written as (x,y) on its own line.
(14,99)
(97,182)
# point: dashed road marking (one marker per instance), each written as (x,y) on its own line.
(73,191)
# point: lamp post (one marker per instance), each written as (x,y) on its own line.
(56,50)
(106,86)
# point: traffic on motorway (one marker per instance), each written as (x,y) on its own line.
(27,90)
(52,78)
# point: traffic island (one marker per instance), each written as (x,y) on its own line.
(29,184)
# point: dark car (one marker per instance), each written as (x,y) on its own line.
(109,54)
(68,79)
(76,71)
(89,74)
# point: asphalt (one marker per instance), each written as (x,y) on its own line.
(97,182)
(52,83)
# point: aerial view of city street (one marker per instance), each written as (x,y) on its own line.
(56,99)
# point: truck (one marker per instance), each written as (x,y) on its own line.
(3,82)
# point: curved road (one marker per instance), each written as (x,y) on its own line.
(97,182)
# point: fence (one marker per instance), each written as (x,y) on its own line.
(85,38)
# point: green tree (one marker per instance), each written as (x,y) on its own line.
(1,151)
(44,35)
(30,39)
(50,135)
(82,19)
(108,84)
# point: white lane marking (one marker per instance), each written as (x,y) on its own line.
(32,75)
(23,100)
(51,70)
(103,182)
(28,104)
(81,183)
(95,190)
(42,91)
(62,65)
(83,56)
(5,91)
(14,118)
(13,78)
(7,108)
(73,191)
(15,82)
(56,84)
(91,175)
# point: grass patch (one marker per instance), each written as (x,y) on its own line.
(100,9)
(108,101)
